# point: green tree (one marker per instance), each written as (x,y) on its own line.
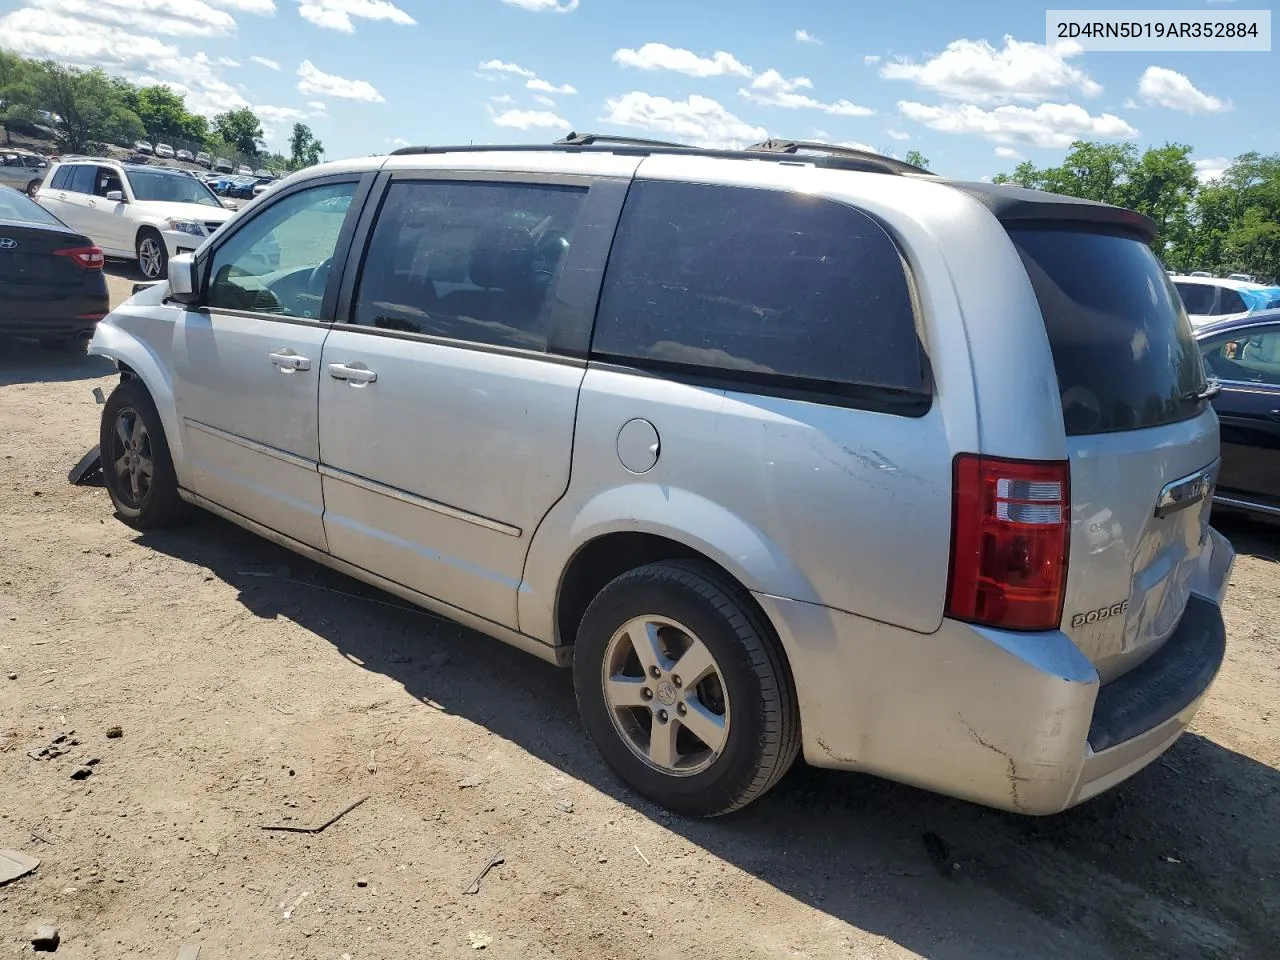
(241,130)
(917,159)
(305,149)
(88,109)
(1094,171)
(17,93)
(1162,185)
(166,117)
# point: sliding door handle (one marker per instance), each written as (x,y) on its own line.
(340,371)
(290,361)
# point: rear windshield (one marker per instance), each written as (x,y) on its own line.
(15,206)
(1198,298)
(1122,345)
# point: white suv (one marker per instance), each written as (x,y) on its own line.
(132,210)
(783,453)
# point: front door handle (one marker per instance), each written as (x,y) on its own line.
(290,361)
(340,371)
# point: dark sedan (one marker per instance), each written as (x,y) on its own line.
(51,282)
(1243,356)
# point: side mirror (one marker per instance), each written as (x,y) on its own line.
(116,196)
(183,284)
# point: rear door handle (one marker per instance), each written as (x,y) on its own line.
(290,361)
(340,371)
(92,204)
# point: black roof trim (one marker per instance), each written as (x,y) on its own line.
(876,160)
(592,139)
(1011,204)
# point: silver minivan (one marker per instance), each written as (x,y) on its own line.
(785,450)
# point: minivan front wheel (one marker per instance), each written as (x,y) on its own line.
(136,465)
(153,258)
(683,689)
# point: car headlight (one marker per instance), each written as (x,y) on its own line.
(186,226)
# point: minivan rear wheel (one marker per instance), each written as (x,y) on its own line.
(684,690)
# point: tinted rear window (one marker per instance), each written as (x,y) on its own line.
(758,286)
(1122,345)
(1198,298)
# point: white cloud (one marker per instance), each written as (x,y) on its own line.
(504,98)
(337,14)
(531,120)
(141,58)
(398,142)
(899,134)
(699,119)
(1008,153)
(174,18)
(871,59)
(659,56)
(855,145)
(804,36)
(1046,125)
(545,6)
(317,105)
(1211,168)
(313,80)
(228,62)
(545,101)
(545,87)
(977,72)
(266,62)
(264,8)
(497,66)
(271,114)
(1167,88)
(774,90)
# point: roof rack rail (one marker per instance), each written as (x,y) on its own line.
(824,155)
(592,139)
(876,160)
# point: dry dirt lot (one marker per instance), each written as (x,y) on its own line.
(255,688)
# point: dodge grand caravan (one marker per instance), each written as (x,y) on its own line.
(784,450)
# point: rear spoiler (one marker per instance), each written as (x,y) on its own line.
(1012,204)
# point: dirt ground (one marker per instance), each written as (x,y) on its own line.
(255,688)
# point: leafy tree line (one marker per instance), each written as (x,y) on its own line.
(1228,225)
(87,110)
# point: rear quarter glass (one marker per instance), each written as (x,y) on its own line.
(1122,346)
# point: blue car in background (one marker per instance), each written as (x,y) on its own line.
(1242,355)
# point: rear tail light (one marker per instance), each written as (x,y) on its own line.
(86,258)
(1009,539)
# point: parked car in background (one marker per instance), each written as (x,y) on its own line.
(23,171)
(51,282)
(738,435)
(1241,276)
(204,160)
(1209,299)
(264,174)
(244,171)
(185,155)
(223,165)
(165,151)
(1243,356)
(130,210)
(144,147)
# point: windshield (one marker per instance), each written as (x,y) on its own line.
(16,206)
(1122,346)
(170,188)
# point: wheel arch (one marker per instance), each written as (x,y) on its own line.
(136,361)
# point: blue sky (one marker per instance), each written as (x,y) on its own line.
(972,86)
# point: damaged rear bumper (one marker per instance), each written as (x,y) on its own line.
(1014,721)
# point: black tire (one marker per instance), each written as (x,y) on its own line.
(32,187)
(159,504)
(764,733)
(153,261)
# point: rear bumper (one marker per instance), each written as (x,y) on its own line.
(1014,721)
(57,315)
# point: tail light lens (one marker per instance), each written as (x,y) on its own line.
(86,258)
(1009,540)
